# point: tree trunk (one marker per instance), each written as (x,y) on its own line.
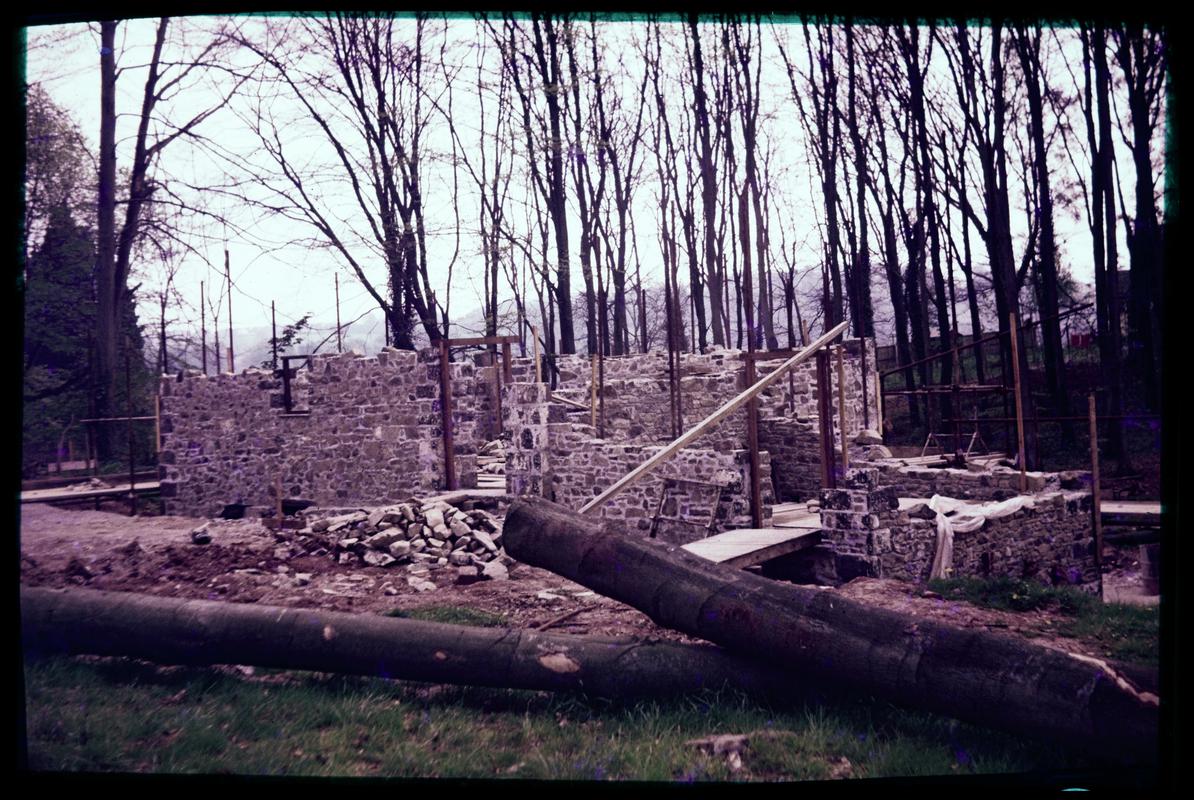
(989,679)
(557,202)
(1137,60)
(107,306)
(1030,61)
(860,286)
(1111,350)
(203,632)
(708,190)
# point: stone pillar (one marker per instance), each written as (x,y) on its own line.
(855,521)
(526,414)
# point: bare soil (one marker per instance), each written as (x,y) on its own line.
(244,563)
(247,563)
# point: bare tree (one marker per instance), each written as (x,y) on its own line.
(543,61)
(1141,55)
(708,189)
(165,80)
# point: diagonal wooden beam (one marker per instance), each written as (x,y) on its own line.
(711,420)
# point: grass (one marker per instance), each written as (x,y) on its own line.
(1126,632)
(453,615)
(121,715)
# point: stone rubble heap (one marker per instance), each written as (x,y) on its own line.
(491,458)
(430,533)
(420,534)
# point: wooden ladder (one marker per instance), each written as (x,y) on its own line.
(670,485)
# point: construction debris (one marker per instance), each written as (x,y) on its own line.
(416,531)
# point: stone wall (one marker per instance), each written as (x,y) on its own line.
(995,483)
(565,462)
(636,392)
(372,434)
(1051,542)
(582,467)
(795,448)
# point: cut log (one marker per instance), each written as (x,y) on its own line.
(202,632)
(990,679)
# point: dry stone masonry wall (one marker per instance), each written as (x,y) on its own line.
(1052,541)
(372,434)
(636,392)
(994,483)
(551,457)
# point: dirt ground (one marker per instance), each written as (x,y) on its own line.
(247,563)
(244,563)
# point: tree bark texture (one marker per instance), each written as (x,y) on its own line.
(990,679)
(203,632)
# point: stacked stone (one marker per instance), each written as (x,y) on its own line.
(795,448)
(995,483)
(1049,541)
(634,384)
(855,522)
(372,434)
(415,532)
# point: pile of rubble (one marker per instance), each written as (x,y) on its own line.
(491,458)
(428,532)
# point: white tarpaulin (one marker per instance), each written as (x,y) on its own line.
(965,517)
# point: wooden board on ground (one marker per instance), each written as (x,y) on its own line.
(794,515)
(61,495)
(749,546)
(1131,512)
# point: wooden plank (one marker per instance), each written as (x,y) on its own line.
(555,398)
(794,515)
(1130,512)
(1142,507)
(470,341)
(55,495)
(749,546)
(714,418)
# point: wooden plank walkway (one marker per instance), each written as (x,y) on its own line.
(749,546)
(62,495)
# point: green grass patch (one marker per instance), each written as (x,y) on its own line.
(120,715)
(1126,632)
(453,615)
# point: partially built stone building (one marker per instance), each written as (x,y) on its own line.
(352,430)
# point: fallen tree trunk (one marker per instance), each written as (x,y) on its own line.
(990,679)
(202,632)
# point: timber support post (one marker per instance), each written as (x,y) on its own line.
(841,407)
(1020,454)
(752,443)
(1096,495)
(825,422)
(593,390)
(445,403)
(128,404)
